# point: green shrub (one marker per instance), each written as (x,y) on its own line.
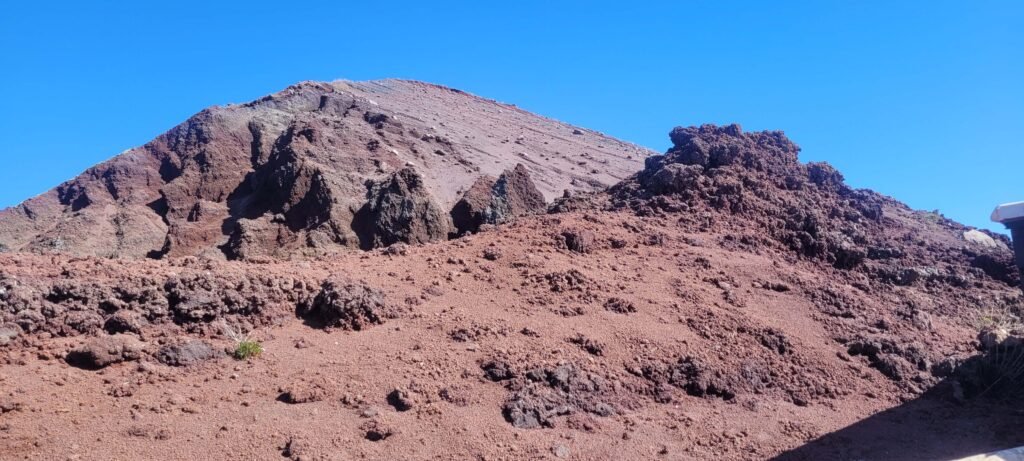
(248,349)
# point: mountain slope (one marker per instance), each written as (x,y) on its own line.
(289,173)
(725,302)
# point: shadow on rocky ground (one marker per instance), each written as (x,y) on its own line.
(932,426)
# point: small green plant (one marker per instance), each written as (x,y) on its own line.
(248,349)
(245,347)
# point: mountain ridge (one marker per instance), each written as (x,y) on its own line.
(371,129)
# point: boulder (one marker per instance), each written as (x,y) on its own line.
(496,201)
(346,304)
(401,399)
(473,209)
(123,322)
(104,351)
(579,240)
(979,238)
(399,209)
(994,337)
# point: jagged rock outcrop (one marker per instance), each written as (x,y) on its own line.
(753,184)
(496,201)
(756,179)
(286,175)
(400,210)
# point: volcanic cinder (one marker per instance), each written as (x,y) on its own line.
(433,275)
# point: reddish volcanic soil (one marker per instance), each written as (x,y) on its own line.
(726,302)
(793,384)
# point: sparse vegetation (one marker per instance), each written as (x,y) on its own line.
(245,347)
(999,318)
(248,349)
(999,372)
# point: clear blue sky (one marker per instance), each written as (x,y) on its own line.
(923,101)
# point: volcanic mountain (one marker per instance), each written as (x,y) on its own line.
(315,167)
(582,299)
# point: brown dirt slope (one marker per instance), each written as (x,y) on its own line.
(726,302)
(289,173)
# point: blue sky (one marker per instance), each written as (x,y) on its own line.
(923,101)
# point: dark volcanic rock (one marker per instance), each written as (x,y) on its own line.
(1001,267)
(754,181)
(400,210)
(824,175)
(122,322)
(579,240)
(544,394)
(619,306)
(690,375)
(187,353)
(194,298)
(375,431)
(345,304)
(490,201)
(498,371)
(401,400)
(515,194)
(472,210)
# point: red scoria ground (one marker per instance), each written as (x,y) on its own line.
(651,343)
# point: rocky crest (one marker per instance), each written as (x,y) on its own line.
(314,168)
(720,177)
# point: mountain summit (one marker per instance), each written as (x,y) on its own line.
(314,167)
